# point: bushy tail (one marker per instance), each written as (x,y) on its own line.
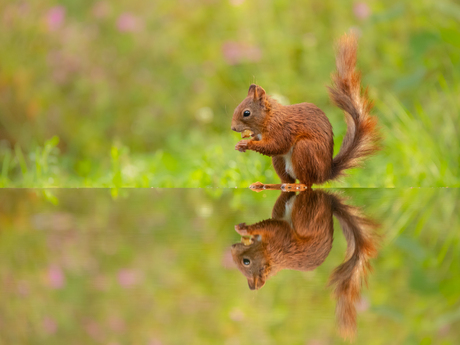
(347,279)
(362,137)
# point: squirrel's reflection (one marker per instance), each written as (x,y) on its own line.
(299,236)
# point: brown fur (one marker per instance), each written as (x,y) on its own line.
(304,242)
(304,131)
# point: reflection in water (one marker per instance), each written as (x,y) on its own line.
(152,266)
(299,237)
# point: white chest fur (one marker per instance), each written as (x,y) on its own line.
(288,210)
(288,163)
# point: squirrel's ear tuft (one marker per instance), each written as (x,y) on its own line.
(252,89)
(257,92)
(251,283)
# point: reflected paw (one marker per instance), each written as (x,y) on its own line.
(257,186)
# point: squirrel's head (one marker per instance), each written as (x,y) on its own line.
(251,260)
(252,112)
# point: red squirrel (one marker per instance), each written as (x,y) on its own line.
(299,237)
(299,137)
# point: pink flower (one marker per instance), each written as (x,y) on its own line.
(128,278)
(236,2)
(361,10)
(444,330)
(128,22)
(93,329)
(23,288)
(55,17)
(236,315)
(117,324)
(236,52)
(49,325)
(232,53)
(56,277)
(64,67)
(101,9)
(24,8)
(227,260)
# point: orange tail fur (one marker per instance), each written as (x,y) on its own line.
(347,279)
(362,137)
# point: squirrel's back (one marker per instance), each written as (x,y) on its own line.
(305,120)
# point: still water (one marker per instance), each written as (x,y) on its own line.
(222,266)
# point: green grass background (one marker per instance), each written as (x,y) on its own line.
(141,93)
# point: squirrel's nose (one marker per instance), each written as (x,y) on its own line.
(233,128)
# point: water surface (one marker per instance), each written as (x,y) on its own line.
(155,266)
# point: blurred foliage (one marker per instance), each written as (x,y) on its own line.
(153,267)
(141,93)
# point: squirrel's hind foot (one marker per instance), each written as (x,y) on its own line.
(294,187)
(285,187)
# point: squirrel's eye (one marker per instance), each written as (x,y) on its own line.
(246,262)
(246,113)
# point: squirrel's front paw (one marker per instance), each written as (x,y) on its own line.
(242,146)
(242,229)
